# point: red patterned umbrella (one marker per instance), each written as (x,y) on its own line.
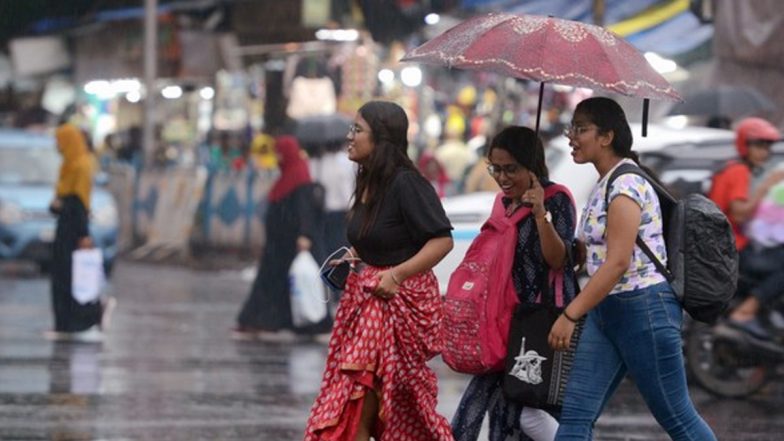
(547,49)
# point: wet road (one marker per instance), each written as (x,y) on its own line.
(168,370)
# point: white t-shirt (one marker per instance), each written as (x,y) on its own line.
(336,173)
(641,272)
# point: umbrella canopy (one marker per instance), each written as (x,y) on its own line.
(724,101)
(546,49)
(314,132)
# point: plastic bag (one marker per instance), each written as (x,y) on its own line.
(308,302)
(87,276)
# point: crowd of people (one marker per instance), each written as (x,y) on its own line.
(386,210)
(377,384)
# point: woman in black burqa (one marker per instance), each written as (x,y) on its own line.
(292,223)
(72,206)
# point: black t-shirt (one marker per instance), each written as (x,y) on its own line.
(410,215)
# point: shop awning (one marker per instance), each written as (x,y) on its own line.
(678,35)
(664,26)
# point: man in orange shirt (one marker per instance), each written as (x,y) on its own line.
(732,193)
(731,189)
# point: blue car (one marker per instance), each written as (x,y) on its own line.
(29,164)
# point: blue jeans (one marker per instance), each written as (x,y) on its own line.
(638,332)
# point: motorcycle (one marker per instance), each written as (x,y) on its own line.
(728,362)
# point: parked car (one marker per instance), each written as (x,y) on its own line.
(29,164)
(664,149)
(689,169)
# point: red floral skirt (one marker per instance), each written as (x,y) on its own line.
(383,345)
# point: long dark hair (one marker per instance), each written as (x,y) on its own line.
(608,116)
(525,146)
(388,131)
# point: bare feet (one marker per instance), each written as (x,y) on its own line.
(108,305)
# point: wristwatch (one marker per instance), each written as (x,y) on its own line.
(548,217)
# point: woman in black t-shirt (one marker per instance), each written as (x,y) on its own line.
(388,324)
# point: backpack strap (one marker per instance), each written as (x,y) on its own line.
(721,170)
(725,166)
(555,277)
(633,169)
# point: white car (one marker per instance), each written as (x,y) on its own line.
(468,212)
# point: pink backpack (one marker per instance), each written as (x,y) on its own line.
(481,297)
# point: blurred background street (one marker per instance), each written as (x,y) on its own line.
(178,106)
(168,370)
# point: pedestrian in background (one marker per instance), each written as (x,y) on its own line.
(388,324)
(731,187)
(734,194)
(434,172)
(478,179)
(633,322)
(516,162)
(72,320)
(292,224)
(335,172)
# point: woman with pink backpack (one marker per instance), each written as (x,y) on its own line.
(544,234)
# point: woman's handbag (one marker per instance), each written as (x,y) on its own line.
(335,276)
(535,375)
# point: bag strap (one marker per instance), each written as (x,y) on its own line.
(555,277)
(498,214)
(633,169)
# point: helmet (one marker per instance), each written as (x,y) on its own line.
(754,128)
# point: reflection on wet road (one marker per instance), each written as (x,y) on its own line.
(168,370)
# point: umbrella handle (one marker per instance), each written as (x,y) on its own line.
(645,104)
(539,106)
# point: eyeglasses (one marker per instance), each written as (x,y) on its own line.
(575,131)
(355,128)
(507,169)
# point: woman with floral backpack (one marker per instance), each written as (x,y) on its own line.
(632,316)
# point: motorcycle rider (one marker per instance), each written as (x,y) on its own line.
(734,192)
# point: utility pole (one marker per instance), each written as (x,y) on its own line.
(598,13)
(150,74)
